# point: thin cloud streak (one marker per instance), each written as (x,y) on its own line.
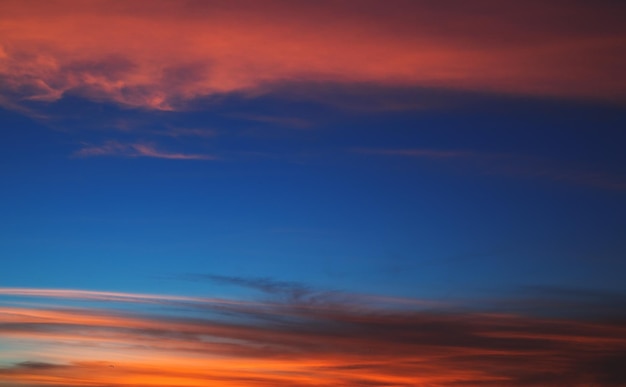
(508,165)
(92,295)
(302,344)
(161,54)
(188,132)
(426,153)
(114,148)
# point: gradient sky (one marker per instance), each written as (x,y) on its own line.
(342,193)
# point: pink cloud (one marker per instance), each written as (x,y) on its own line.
(114,148)
(160,54)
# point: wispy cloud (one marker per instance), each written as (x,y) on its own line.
(509,165)
(289,122)
(188,132)
(206,49)
(425,153)
(106,296)
(297,292)
(301,344)
(114,148)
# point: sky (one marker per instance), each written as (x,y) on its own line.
(329,193)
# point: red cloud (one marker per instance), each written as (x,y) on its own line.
(158,54)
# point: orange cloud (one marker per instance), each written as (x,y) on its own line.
(298,344)
(160,54)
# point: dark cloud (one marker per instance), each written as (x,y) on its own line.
(37,365)
(266,285)
(565,302)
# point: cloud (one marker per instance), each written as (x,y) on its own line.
(188,132)
(37,365)
(303,294)
(161,54)
(114,148)
(288,343)
(425,153)
(295,290)
(91,295)
(558,301)
(289,122)
(508,165)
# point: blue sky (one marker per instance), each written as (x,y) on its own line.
(475,196)
(402,193)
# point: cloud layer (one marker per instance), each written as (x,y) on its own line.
(192,341)
(160,54)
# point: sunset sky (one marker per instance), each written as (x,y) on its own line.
(322,193)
